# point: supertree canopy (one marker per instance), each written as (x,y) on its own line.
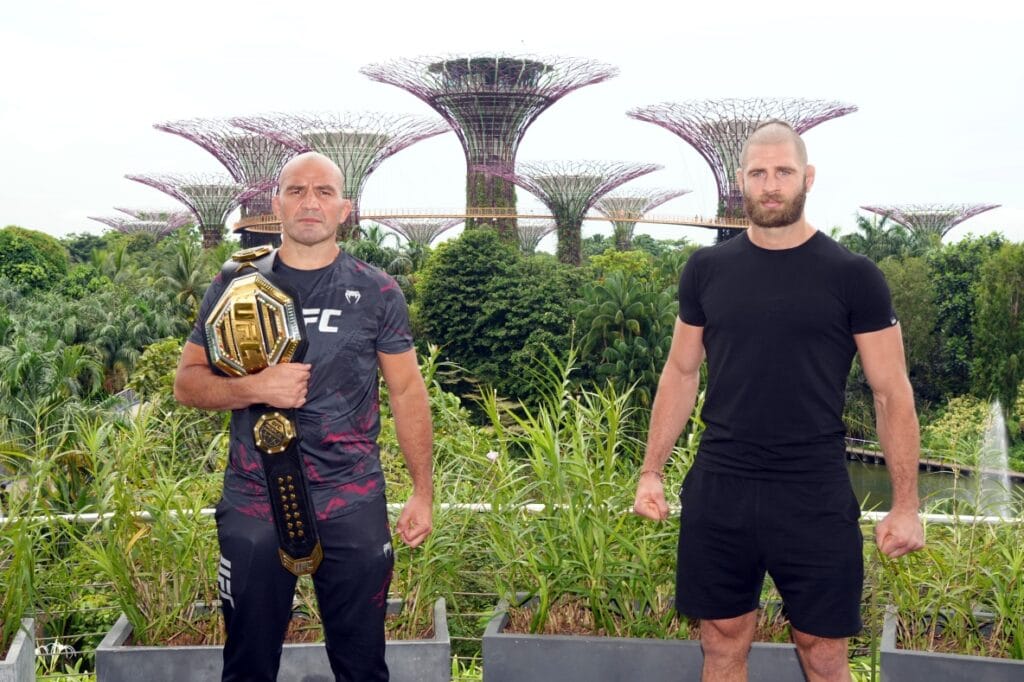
(717,129)
(532,230)
(160,228)
(569,189)
(490,101)
(420,231)
(358,142)
(625,209)
(210,198)
(174,218)
(937,219)
(251,159)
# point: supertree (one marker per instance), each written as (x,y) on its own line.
(421,231)
(717,129)
(626,208)
(490,101)
(569,189)
(933,219)
(357,141)
(171,217)
(159,228)
(253,160)
(532,230)
(210,198)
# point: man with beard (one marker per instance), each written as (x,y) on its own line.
(779,312)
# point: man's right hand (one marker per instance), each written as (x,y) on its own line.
(283,385)
(650,498)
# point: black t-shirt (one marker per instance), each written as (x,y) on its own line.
(351,310)
(778,334)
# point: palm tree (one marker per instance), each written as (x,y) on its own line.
(185,275)
(377,235)
(880,239)
(627,324)
(75,372)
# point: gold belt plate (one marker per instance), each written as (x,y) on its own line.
(253,325)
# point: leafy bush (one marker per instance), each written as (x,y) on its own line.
(954,269)
(913,297)
(491,310)
(998,366)
(634,263)
(957,433)
(30,259)
(153,375)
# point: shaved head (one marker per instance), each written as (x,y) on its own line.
(311,158)
(774,132)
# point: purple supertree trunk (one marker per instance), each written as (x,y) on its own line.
(490,101)
(624,210)
(569,189)
(357,141)
(933,219)
(717,129)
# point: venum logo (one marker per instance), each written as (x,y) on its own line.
(352,296)
(321,317)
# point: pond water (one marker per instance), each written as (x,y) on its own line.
(939,490)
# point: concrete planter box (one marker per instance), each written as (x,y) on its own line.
(417,660)
(20,663)
(572,658)
(903,664)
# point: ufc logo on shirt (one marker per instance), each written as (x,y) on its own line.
(322,317)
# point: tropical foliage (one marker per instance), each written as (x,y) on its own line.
(578,351)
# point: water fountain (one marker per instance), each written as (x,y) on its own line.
(994,495)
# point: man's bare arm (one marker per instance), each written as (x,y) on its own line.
(673,404)
(881,356)
(196,385)
(410,406)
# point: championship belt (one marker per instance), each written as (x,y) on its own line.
(253,325)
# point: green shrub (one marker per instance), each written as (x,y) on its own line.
(492,310)
(957,433)
(30,259)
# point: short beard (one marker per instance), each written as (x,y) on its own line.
(787,215)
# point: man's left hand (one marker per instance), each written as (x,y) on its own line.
(414,523)
(899,533)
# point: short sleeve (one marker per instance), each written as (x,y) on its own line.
(690,310)
(393,332)
(869,298)
(213,292)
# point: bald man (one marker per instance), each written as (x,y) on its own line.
(356,324)
(779,312)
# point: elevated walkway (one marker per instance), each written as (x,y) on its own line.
(269,223)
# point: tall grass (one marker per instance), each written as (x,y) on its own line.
(963,593)
(20,537)
(573,455)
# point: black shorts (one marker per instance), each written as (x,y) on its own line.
(805,535)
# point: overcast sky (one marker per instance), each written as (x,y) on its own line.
(938,84)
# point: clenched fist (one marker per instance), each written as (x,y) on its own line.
(283,385)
